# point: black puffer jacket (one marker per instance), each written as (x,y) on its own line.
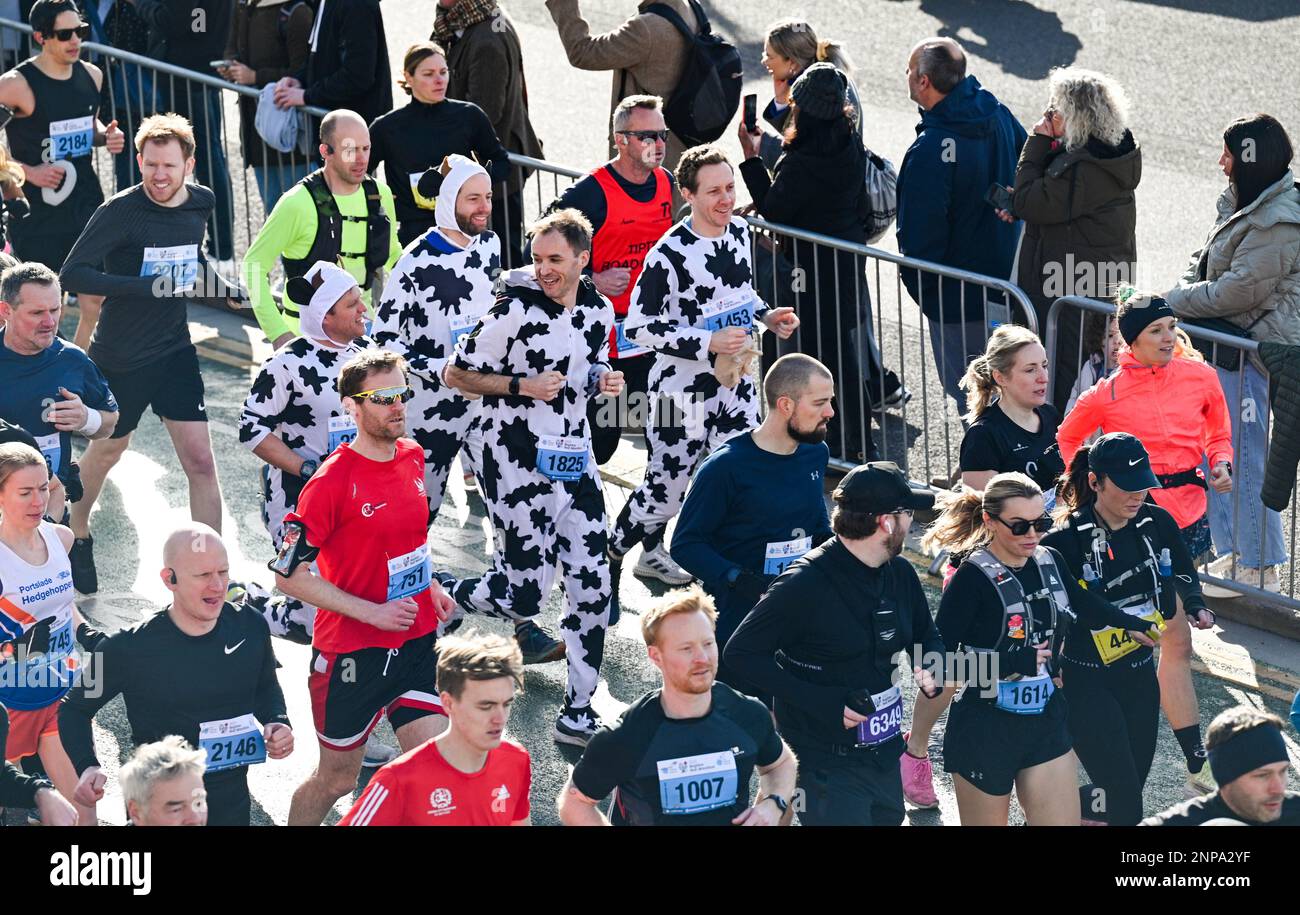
(1283,363)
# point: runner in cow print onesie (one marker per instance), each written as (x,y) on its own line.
(695,305)
(438,290)
(538,357)
(293,418)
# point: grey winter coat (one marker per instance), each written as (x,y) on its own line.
(1248,270)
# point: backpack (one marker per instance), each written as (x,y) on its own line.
(707,95)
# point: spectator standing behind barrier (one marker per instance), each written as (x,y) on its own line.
(1174,404)
(487,68)
(1245,280)
(55,98)
(966,141)
(270,39)
(628,202)
(175,39)
(791,47)
(348,64)
(1075,191)
(818,186)
(338,213)
(646,53)
(417,137)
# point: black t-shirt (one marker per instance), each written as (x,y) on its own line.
(996,442)
(679,771)
(1200,810)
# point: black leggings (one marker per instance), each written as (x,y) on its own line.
(1114,714)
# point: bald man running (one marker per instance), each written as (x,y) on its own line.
(201,668)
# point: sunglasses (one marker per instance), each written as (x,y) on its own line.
(81,31)
(1021,527)
(645,136)
(386,397)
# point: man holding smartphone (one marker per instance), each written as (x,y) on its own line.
(824,641)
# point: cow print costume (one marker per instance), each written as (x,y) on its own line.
(436,294)
(688,281)
(539,520)
(295,397)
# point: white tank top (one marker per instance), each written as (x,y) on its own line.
(28,594)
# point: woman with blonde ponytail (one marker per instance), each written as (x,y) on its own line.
(790,48)
(1012,428)
(1006,612)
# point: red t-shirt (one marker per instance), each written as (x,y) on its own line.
(421,788)
(368,519)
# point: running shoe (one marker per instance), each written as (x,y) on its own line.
(1200,783)
(471,485)
(536,644)
(918,779)
(82,556)
(895,395)
(576,726)
(377,754)
(658,564)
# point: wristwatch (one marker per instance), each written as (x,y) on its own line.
(776,799)
(307,469)
(514,384)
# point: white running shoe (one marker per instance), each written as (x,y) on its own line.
(658,564)
(378,753)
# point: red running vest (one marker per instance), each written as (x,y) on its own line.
(630,230)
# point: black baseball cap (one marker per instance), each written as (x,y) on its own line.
(879,488)
(1124,461)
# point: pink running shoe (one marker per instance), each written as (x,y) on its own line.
(918,779)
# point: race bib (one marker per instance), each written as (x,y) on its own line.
(735,310)
(461,325)
(622,347)
(72,138)
(1027,696)
(180,262)
(341,429)
(562,457)
(51,450)
(780,554)
(409,574)
(1113,644)
(695,784)
(232,742)
(885,722)
(424,203)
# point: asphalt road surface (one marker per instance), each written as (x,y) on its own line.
(146,494)
(1189,67)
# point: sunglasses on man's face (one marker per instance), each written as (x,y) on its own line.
(1020,526)
(81,31)
(386,397)
(645,136)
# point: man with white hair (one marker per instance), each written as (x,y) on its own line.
(162,784)
(201,668)
(439,289)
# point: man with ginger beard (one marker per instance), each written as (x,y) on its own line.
(682,755)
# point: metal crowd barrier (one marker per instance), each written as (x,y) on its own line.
(922,435)
(1248,458)
(135,87)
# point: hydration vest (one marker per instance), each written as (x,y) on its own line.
(328,243)
(1015,602)
(1084,523)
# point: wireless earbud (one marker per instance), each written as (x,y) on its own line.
(171,575)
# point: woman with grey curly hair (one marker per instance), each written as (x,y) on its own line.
(1075,191)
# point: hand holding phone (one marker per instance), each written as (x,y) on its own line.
(751,112)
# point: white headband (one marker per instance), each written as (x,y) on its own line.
(336,283)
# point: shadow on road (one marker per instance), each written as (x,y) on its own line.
(1019,37)
(1255,11)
